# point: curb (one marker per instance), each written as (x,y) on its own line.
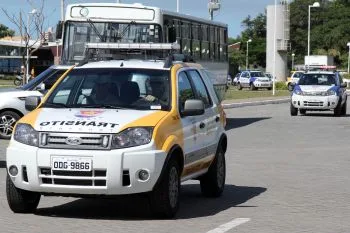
(255,103)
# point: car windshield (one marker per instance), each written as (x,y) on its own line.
(317,79)
(143,89)
(256,74)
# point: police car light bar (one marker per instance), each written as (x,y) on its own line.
(141,46)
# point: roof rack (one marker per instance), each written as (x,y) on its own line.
(123,51)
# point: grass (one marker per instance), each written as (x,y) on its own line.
(234,93)
(6,83)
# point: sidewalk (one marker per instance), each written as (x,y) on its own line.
(237,103)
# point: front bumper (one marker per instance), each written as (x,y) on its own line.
(315,102)
(110,170)
(262,84)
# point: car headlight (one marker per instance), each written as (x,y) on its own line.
(26,134)
(331,92)
(132,137)
(298,92)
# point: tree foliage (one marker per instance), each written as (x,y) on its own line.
(254,29)
(329,32)
(5,31)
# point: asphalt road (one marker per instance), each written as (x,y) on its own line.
(284,174)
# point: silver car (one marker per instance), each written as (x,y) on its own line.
(12,99)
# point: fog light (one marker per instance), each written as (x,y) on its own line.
(143,175)
(13,170)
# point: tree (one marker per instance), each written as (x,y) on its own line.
(5,31)
(34,26)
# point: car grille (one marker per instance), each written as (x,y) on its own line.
(75,141)
(322,93)
(313,104)
(75,178)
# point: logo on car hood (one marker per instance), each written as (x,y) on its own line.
(74,141)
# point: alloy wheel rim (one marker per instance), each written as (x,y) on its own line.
(7,124)
(173,187)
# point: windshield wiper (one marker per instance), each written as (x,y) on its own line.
(109,106)
(56,105)
(95,30)
(122,34)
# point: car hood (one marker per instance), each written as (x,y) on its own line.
(15,93)
(90,120)
(312,88)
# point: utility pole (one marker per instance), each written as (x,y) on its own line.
(62,10)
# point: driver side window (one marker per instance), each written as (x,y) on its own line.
(185,91)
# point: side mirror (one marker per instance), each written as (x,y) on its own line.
(193,108)
(59,28)
(291,86)
(344,85)
(32,102)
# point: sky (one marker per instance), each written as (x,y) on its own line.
(232,12)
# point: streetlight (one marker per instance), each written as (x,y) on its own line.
(177,6)
(27,45)
(348,44)
(316,4)
(246,58)
(293,55)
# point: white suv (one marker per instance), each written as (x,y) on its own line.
(120,127)
(12,100)
(319,91)
(254,80)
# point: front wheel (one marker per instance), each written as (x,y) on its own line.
(17,82)
(251,87)
(338,109)
(8,120)
(21,201)
(343,109)
(239,86)
(293,110)
(213,182)
(164,199)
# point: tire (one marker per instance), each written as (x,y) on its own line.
(239,86)
(338,109)
(344,107)
(17,82)
(164,199)
(213,182)
(269,88)
(293,110)
(302,111)
(290,88)
(8,120)
(251,87)
(21,201)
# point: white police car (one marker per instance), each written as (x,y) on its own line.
(319,91)
(254,80)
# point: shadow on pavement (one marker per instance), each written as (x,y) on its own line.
(135,207)
(2,164)
(232,123)
(322,114)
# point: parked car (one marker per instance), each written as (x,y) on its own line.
(235,79)
(294,78)
(253,80)
(12,100)
(319,91)
(112,128)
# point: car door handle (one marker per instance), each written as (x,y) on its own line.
(217,119)
(201,125)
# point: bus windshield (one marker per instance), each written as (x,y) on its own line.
(79,33)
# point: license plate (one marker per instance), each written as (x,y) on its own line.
(71,163)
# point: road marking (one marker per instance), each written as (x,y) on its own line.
(228,226)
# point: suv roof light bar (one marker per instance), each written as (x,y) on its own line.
(141,46)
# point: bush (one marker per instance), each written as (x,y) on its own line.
(281,86)
(7,77)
